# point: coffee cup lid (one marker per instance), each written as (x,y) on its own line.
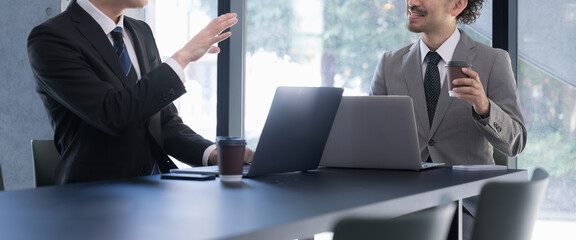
(458,64)
(230,141)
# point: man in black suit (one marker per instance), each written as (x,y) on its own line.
(109,123)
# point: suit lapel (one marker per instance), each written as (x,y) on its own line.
(465,49)
(412,70)
(463,52)
(155,122)
(138,43)
(93,33)
(444,101)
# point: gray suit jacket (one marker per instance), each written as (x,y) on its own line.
(458,135)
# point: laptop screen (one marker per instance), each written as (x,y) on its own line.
(296,129)
(374,132)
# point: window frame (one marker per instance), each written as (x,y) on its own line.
(231,73)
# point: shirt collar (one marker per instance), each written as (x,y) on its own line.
(104,21)
(446,50)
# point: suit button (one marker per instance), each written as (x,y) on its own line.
(171,91)
(431,142)
(497,127)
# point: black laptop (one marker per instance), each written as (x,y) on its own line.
(295,132)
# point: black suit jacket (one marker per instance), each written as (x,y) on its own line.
(104,125)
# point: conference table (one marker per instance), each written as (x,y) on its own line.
(282,206)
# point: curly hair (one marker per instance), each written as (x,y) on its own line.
(471,12)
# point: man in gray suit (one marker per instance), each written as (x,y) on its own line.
(486,114)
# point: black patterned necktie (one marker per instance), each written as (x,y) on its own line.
(120,48)
(432,83)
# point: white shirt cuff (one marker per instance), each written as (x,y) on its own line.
(177,68)
(207,154)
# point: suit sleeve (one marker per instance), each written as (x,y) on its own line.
(378,86)
(505,128)
(180,141)
(72,72)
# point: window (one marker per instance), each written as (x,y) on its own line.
(481,30)
(322,43)
(174,23)
(547,90)
(315,43)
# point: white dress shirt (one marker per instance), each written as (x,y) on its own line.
(446,50)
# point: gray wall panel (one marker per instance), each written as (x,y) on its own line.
(22,115)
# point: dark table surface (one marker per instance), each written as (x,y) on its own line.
(284,206)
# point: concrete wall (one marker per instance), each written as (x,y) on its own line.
(22,116)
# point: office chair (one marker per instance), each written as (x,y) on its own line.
(430,224)
(46,159)
(507,210)
(1,180)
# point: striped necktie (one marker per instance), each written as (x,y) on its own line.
(120,48)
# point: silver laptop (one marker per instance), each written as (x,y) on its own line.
(295,132)
(374,132)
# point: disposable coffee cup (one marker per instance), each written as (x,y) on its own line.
(454,71)
(230,157)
